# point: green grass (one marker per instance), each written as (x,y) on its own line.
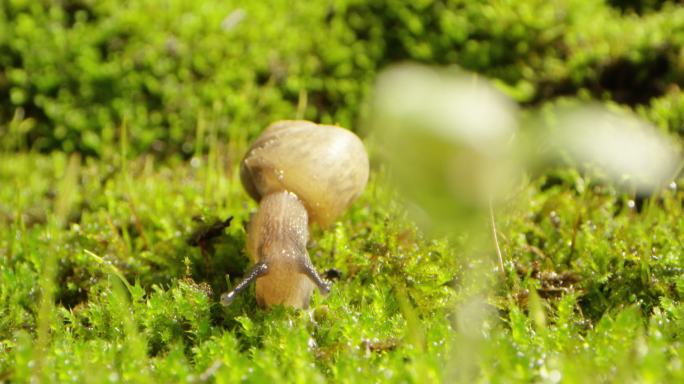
(98,283)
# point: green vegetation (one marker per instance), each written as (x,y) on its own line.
(74,71)
(121,128)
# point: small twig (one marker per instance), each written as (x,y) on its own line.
(496,239)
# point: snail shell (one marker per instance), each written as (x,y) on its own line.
(325,166)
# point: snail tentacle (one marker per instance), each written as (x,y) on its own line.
(259,269)
(310,271)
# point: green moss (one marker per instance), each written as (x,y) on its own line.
(389,318)
(593,285)
(72,73)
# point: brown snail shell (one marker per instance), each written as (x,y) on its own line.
(325,166)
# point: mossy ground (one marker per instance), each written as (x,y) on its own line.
(101,276)
(99,283)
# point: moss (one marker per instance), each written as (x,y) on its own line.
(73,73)
(604,278)
(121,127)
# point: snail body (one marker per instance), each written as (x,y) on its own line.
(300,173)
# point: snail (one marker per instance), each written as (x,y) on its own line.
(301,173)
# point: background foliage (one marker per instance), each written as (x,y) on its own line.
(121,127)
(72,72)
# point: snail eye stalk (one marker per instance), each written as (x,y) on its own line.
(257,271)
(309,270)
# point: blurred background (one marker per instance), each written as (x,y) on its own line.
(73,71)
